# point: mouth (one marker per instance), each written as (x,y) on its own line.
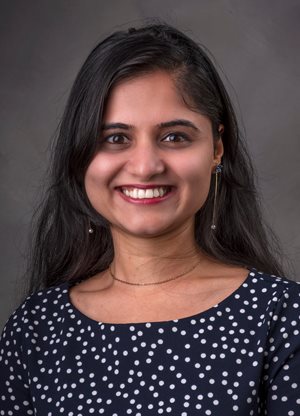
(145,193)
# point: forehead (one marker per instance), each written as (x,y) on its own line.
(146,98)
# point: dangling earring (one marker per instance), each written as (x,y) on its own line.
(90,228)
(217,172)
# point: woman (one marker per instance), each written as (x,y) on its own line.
(148,299)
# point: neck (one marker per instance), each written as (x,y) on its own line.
(154,260)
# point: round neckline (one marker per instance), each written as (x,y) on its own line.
(218,306)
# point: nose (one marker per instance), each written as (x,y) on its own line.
(145,161)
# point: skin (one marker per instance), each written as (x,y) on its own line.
(146,157)
(154,242)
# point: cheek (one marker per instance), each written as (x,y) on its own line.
(96,177)
(99,171)
(200,183)
(196,170)
(196,176)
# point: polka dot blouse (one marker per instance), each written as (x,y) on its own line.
(240,357)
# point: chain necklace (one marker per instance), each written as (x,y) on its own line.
(153,283)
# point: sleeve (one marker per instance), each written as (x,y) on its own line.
(283,357)
(15,398)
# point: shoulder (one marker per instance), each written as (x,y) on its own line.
(279,294)
(281,314)
(271,281)
(52,298)
(38,309)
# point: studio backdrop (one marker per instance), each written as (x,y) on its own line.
(42,46)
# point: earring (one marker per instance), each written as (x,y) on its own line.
(90,228)
(217,172)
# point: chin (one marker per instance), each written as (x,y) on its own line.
(146,230)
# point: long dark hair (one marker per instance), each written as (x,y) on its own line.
(63,249)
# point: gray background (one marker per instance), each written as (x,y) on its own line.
(43,44)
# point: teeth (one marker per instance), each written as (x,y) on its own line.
(149,193)
(141,194)
(138,193)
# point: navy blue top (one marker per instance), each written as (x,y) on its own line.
(240,357)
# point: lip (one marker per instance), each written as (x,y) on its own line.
(145,201)
(141,186)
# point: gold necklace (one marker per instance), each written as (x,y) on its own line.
(150,284)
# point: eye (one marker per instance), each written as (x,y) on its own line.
(116,139)
(176,138)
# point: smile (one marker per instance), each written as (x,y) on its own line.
(149,193)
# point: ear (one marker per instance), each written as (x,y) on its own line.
(218,146)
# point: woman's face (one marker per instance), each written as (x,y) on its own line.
(153,167)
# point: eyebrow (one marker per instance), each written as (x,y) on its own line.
(112,126)
(166,124)
(178,122)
